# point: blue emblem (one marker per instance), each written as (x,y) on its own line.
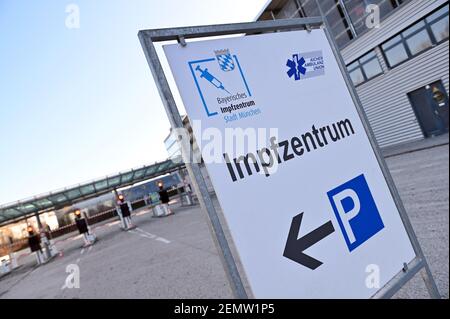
(296,67)
(225,60)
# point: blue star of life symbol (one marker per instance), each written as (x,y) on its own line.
(296,67)
(225,60)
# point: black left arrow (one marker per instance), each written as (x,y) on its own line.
(295,246)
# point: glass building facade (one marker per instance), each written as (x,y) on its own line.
(346,18)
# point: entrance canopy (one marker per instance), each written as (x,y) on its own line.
(71,195)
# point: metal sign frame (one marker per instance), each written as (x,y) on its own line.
(147,39)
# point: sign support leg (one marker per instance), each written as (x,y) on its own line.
(194,171)
(430,283)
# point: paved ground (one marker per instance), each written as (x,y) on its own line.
(423,181)
(175,257)
(170,257)
(413,146)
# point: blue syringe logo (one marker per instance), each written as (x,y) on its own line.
(211,78)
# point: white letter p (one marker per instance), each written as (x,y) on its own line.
(346,217)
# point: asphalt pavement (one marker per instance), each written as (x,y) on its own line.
(175,256)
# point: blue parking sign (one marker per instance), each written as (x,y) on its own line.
(356,211)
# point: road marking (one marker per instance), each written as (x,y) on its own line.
(146,211)
(148,235)
(154,236)
(75,238)
(113,223)
(163,240)
(145,236)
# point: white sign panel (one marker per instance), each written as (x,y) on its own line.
(308,207)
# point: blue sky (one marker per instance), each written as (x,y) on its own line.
(78,104)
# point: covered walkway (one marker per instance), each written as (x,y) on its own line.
(22,209)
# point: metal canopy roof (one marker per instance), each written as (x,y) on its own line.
(71,195)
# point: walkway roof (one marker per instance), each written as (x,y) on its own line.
(71,195)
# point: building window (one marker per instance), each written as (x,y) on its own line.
(395,51)
(357,11)
(356,73)
(308,8)
(417,38)
(289,11)
(346,18)
(172,147)
(397,3)
(438,23)
(365,68)
(335,14)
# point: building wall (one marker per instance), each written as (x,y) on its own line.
(172,147)
(401,18)
(385,98)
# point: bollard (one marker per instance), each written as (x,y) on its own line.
(124,213)
(162,209)
(34,242)
(53,250)
(83,228)
(13,258)
(188,198)
(5,266)
(119,213)
(46,243)
(188,194)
